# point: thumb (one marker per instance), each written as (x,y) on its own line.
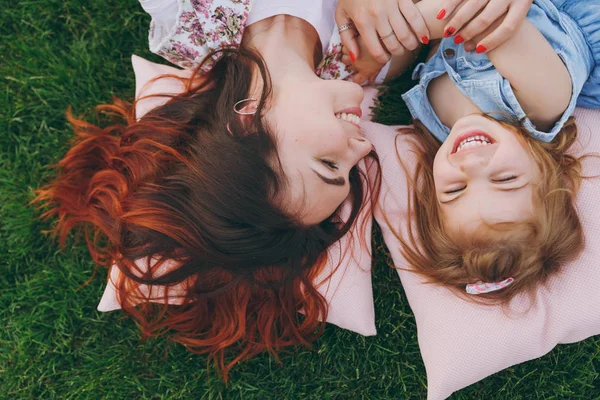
(348,36)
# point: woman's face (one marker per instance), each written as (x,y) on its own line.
(316,123)
(483,173)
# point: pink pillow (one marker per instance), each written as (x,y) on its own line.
(461,342)
(348,292)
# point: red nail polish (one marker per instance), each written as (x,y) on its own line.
(458,39)
(449,32)
(352,56)
(425,40)
(441,14)
(480,49)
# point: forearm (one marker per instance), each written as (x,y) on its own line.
(539,78)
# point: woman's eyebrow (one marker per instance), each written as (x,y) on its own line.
(339,181)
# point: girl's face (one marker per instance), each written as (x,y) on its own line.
(316,123)
(483,173)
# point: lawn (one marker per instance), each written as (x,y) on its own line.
(53,342)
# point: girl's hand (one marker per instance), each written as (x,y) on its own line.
(398,22)
(366,66)
(479,15)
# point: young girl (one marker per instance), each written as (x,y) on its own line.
(494,187)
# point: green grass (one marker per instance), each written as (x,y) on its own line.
(54,344)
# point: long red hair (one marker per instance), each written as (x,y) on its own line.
(189,189)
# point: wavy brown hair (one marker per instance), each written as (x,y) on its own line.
(191,186)
(529,251)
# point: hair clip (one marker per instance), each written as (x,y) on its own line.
(481,287)
(237,110)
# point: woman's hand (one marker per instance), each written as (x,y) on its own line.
(397,22)
(366,67)
(475,16)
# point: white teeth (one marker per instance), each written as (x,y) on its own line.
(353,118)
(473,141)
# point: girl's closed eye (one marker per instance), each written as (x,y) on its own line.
(505,179)
(456,190)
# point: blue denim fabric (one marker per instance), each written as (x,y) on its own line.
(572,27)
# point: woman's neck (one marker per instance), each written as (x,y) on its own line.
(287,44)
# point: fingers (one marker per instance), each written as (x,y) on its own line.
(359,78)
(373,78)
(371,38)
(515,16)
(346,58)
(416,21)
(448,7)
(463,16)
(470,45)
(373,23)
(348,36)
(395,43)
(483,21)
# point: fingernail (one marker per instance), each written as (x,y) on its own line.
(480,49)
(425,40)
(352,56)
(441,14)
(458,39)
(449,32)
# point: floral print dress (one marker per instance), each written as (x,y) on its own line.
(202,26)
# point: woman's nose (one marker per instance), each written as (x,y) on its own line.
(360,146)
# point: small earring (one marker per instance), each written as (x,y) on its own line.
(238,111)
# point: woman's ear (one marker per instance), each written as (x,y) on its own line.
(246,107)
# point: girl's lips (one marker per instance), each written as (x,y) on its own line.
(467,135)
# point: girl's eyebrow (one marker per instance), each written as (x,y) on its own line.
(450,201)
(513,189)
(339,181)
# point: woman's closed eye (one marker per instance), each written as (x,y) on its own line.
(329,164)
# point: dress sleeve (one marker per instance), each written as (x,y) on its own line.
(163,13)
(184,32)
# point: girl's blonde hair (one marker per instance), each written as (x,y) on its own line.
(528,251)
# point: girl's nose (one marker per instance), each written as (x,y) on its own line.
(473,161)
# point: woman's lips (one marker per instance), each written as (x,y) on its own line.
(353,110)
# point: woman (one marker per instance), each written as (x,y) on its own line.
(231,188)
